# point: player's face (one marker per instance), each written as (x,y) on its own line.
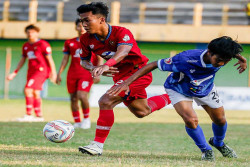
(216,61)
(32,34)
(80,29)
(91,23)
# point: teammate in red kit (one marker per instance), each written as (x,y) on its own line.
(118,46)
(79,80)
(40,67)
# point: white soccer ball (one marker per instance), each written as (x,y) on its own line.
(58,131)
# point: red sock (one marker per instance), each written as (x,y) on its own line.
(76,116)
(158,102)
(37,107)
(85,112)
(29,105)
(104,124)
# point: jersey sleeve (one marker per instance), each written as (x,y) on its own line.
(85,52)
(173,64)
(66,49)
(46,49)
(125,37)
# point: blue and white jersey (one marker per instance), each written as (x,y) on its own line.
(191,76)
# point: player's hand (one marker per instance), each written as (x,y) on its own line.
(53,77)
(98,70)
(58,80)
(96,80)
(111,72)
(114,91)
(242,65)
(11,76)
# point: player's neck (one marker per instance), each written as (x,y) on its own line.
(206,58)
(31,41)
(103,33)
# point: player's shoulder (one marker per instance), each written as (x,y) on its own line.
(71,40)
(119,28)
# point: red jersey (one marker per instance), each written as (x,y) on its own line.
(73,47)
(36,53)
(106,49)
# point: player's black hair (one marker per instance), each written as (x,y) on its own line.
(78,21)
(95,8)
(225,47)
(31,26)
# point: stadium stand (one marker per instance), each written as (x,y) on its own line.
(155,12)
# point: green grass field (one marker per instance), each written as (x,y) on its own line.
(157,140)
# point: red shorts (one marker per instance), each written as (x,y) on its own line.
(75,84)
(35,81)
(137,90)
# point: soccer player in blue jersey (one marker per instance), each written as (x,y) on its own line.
(192,79)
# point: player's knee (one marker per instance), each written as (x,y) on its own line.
(73,99)
(191,122)
(141,114)
(220,121)
(105,103)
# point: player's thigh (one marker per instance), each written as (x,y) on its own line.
(217,115)
(73,97)
(36,93)
(82,95)
(139,105)
(28,92)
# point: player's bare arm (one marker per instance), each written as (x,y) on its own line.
(99,62)
(125,85)
(53,68)
(242,63)
(19,66)
(64,63)
(121,53)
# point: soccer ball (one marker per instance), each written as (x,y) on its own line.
(58,131)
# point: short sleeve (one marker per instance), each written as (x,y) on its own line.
(66,49)
(47,49)
(125,37)
(85,52)
(173,64)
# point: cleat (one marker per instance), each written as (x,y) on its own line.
(38,119)
(77,125)
(92,149)
(208,155)
(26,118)
(224,150)
(86,124)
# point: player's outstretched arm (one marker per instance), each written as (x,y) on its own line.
(125,85)
(19,66)
(121,53)
(242,63)
(87,65)
(64,63)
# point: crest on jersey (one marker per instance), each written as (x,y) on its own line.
(91,46)
(71,44)
(112,43)
(126,38)
(48,49)
(108,54)
(25,48)
(168,61)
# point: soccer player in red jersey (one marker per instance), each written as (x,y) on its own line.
(118,46)
(79,80)
(40,67)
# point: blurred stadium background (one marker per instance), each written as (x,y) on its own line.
(162,29)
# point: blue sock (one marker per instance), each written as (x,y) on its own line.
(219,134)
(199,138)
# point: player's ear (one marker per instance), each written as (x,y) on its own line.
(102,20)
